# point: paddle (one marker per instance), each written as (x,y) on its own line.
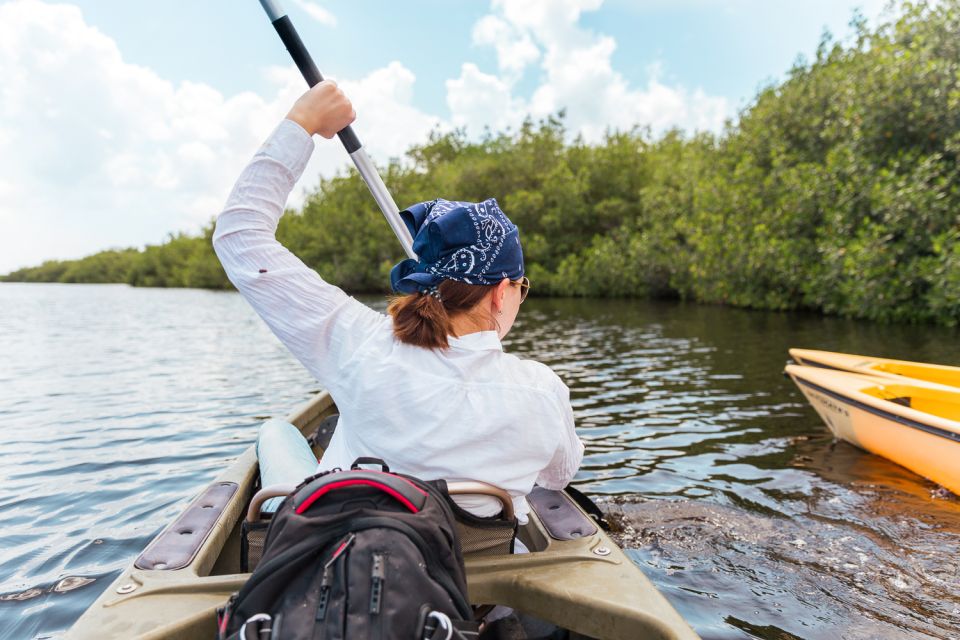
(293,43)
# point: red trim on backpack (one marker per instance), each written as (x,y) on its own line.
(352,483)
(336,554)
(223,624)
(393,475)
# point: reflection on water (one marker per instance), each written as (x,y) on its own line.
(117,404)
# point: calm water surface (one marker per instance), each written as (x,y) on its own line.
(117,405)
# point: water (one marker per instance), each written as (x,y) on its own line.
(118,404)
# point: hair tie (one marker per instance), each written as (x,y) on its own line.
(433,291)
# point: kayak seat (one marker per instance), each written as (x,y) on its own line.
(319,440)
(478,536)
(494,535)
(253,531)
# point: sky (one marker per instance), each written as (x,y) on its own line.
(123,122)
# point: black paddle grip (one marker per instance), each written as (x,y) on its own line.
(291,40)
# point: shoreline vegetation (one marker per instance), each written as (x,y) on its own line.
(836,191)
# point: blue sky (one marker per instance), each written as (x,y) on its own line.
(726,48)
(125,121)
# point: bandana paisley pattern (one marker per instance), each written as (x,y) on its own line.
(471,242)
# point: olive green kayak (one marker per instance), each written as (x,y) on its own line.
(575,576)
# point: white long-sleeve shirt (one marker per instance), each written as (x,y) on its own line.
(470,412)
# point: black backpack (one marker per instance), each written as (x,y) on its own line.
(356,554)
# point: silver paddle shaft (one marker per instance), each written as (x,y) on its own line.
(384,200)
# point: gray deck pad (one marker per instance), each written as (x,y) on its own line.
(560,516)
(176,547)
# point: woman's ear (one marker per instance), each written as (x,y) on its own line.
(499,296)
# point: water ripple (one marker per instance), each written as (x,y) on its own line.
(737,504)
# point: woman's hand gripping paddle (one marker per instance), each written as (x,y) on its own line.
(291,39)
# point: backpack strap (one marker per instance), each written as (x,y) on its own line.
(402,490)
(437,625)
(368,460)
(256,627)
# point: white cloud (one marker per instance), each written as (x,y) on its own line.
(515,48)
(318,13)
(576,75)
(387,123)
(477,98)
(98,152)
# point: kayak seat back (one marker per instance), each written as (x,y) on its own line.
(253,531)
(478,536)
(483,536)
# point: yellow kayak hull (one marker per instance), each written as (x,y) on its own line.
(881,367)
(913,423)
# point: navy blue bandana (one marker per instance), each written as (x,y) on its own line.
(471,242)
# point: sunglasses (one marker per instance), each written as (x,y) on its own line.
(524,284)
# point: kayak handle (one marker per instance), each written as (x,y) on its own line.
(368,171)
(473,487)
(266,493)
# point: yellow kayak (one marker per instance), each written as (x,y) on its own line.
(913,423)
(882,367)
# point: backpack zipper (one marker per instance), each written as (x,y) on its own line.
(324,595)
(377,576)
(304,548)
(429,555)
(326,578)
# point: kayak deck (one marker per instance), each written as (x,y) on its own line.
(584,584)
(881,367)
(936,402)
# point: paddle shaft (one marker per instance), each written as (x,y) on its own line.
(291,40)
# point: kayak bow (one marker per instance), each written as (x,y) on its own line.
(575,576)
(913,423)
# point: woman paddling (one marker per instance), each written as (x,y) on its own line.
(427,388)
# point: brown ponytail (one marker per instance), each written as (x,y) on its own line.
(422,320)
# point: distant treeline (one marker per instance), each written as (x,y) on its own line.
(837,191)
(181,261)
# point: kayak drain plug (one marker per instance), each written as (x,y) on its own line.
(126,588)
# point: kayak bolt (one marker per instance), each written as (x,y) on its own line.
(126,588)
(602,551)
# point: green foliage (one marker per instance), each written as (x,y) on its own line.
(49,271)
(182,261)
(836,190)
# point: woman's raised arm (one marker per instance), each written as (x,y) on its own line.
(316,321)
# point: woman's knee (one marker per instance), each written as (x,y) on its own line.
(276,429)
(276,439)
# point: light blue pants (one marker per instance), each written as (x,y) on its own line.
(285,457)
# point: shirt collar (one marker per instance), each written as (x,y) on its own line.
(478,341)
